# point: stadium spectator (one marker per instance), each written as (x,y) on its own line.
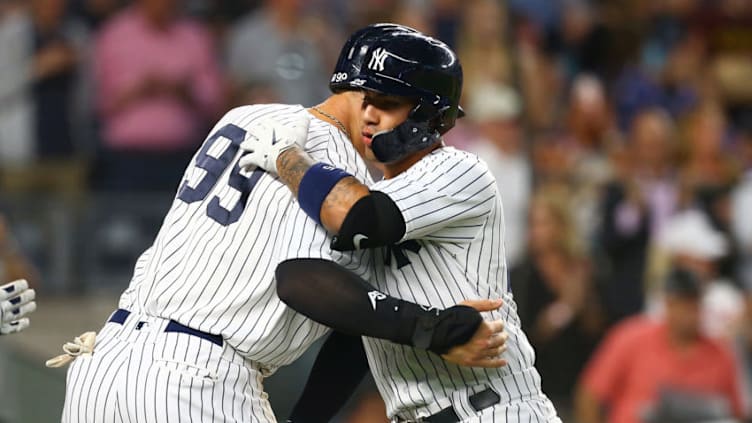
(579,43)
(744,349)
(482,44)
(16,104)
(741,210)
(673,82)
(635,206)
(45,112)
(590,138)
(271,46)
(644,365)
(496,111)
(708,168)
(689,240)
(158,87)
(726,25)
(43,97)
(61,104)
(554,288)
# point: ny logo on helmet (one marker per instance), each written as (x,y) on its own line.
(377,59)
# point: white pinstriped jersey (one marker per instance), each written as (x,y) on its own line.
(212,264)
(452,250)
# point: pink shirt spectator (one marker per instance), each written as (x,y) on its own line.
(129,51)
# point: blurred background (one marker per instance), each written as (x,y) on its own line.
(619,131)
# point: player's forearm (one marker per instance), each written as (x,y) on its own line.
(333,296)
(293,164)
(340,200)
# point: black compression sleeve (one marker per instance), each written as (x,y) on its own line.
(336,297)
(337,372)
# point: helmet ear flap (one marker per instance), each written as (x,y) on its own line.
(441,119)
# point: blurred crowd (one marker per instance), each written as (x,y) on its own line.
(619,132)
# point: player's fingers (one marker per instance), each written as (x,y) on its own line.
(494,327)
(19,312)
(495,352)
(489,363)
(498,340)
(249,160)
(12,289)
(483,304)
(23,298)
(249,144)
(14,326)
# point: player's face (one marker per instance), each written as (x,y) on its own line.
(381,112)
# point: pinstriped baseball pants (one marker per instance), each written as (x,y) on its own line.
(534,410)
(140,374)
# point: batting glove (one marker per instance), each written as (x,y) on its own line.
(267,139)
(16,301)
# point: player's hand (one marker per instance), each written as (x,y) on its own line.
(488,343)
(16,301)
(267,139)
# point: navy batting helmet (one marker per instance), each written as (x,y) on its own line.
(397,60)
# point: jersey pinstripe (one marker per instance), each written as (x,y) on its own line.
(216,275)
(452,250)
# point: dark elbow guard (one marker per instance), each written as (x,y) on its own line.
(373,221)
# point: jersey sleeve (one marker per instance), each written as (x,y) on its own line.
(447,196)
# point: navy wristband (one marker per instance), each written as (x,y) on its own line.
(316,184)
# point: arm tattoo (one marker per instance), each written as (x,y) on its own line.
(293,163)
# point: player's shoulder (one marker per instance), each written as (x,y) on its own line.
(329,144)
(448,155)
(451,162)
(245,115)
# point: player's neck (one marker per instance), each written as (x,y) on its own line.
(334,110)
(340,107)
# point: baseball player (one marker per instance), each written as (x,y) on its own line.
(200,324)
(435,225)
(16,301)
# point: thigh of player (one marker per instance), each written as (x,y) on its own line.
(185,378)
(93,381)
(169,377)
(536,410)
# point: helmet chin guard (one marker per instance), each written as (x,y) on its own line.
(419,131)
(408,137)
